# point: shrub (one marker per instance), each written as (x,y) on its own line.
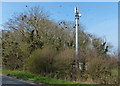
(41,60)
(63,63)
(100,69)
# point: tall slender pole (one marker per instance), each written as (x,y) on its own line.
(76,36)
(75,62)
(77,15)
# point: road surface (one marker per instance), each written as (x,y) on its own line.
(9,81)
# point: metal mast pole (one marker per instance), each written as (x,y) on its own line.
(77,15)
(75,62)
(76,36)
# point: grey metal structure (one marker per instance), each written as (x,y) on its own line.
(77,15)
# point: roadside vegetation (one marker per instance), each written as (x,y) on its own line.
(35,44)
(35,78)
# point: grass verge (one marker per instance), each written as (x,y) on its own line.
(36,78)
(40,79)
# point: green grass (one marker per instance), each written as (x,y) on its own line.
(36,78)
(40,79)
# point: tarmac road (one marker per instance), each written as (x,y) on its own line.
(9,81)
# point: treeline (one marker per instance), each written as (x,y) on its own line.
(33,43)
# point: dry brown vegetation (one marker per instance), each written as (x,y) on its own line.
(33,43)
